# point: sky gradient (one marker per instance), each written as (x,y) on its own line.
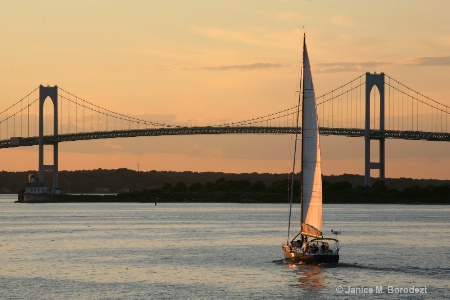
(205,62)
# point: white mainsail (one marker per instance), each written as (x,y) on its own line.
(311,219)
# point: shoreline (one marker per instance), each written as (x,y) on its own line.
(218,198)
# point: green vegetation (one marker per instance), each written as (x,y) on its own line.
(160,186)
(245,191)
(343,192)
(219,191)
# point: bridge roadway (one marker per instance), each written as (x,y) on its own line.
(351,132)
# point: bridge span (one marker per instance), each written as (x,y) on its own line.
(349,132)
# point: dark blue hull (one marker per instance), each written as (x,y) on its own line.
(311,258)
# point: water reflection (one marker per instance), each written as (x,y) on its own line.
(310,277)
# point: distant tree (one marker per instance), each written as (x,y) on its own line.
(325,184)
(338,187)
(221,185)
(180,187)
(166,187)
(220,181)
(239,185)
(283,186)
(258,186)
(442,190)
(208,187)
(379,186)
(412,192)
(195,187)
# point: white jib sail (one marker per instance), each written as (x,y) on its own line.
(311,167)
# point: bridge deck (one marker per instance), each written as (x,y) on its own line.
(350,132)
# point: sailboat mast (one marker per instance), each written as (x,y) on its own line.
(291,197)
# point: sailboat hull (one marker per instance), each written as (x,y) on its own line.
(316,251)
(304,258)
(313,259)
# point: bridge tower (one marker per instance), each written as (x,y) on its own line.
(52,93)
(375,134)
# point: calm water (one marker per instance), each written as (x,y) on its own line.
(210,251)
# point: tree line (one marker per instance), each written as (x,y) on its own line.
(246,191)
(240,187)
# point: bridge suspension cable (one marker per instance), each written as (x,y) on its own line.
(10,114)
(429,113)
(322,100)
(106,112)
(344,107)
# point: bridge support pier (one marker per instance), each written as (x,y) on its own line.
(52,93)
(376,134)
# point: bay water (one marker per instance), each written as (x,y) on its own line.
(217,251)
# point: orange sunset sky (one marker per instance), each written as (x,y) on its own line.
(203,62)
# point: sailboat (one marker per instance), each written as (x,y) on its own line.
(309,246)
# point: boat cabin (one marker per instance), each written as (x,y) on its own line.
(316,246)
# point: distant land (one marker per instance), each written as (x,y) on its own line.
(125,180)
(124,185)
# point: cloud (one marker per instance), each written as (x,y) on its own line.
(349,66)
(429,61)
(242,36)
(259,37)
(247,67)
(374,65)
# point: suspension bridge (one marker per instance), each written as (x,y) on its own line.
(374,106)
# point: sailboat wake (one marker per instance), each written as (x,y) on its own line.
(404,269)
